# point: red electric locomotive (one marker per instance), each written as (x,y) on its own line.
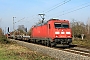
(52,32)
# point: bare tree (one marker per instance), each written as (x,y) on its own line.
(1,32)
(88,26)
(78,28)
(29,32)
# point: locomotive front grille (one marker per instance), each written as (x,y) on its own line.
(62,40)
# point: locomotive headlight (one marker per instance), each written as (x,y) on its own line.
(57,32)
(62,32)
(68,33)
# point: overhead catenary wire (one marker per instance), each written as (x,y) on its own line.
(20,20)
(75,10)
(64,2)
(57,5)
(72,8)
(54,6)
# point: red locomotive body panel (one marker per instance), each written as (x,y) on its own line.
(57,31)
(39,31)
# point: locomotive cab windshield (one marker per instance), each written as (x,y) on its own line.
(61,25)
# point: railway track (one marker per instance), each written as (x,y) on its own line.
(78,51)
(75,49)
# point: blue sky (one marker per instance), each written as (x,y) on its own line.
(27,11)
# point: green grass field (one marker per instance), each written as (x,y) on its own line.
(15,52)
(12,51)
(84,42)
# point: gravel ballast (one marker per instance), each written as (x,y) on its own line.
(59,54)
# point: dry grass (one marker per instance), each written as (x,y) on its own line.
(15,52)
(85,42)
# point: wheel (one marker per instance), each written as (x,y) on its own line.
(29,40)
(45,42)
(52,44)
(34,40)
(48,43)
